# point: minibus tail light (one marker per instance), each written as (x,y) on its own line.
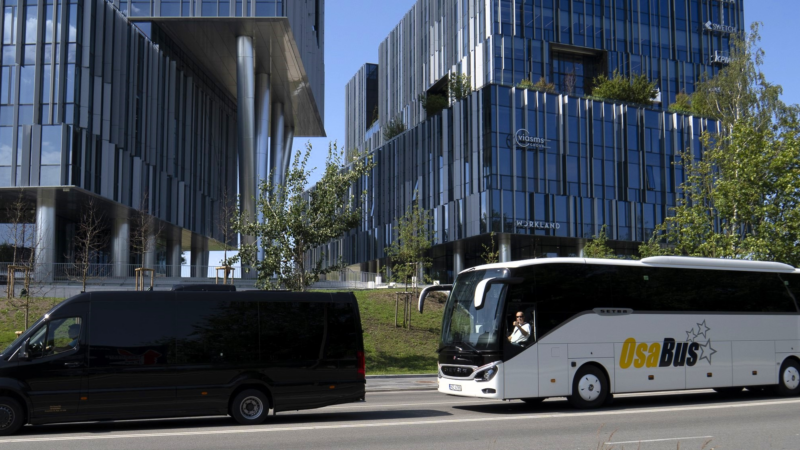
(362,365)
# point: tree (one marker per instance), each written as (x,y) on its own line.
(145,230)
(525,83)
(227,212)
(297,221)
(433,103)
(598,247)
(490,252)
(413,237)
(459,86)
(636,89)
(741,198)
(393,128)
(89,240)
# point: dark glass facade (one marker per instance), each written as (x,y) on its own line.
(590,164)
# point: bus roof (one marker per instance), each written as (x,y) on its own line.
(676,262)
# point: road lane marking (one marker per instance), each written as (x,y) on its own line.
(268,429)
(659,440)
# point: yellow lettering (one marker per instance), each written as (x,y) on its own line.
(640,356)
(626,357)
(655,353)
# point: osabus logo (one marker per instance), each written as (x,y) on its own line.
(668,353)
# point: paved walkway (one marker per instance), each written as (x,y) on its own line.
(384,383)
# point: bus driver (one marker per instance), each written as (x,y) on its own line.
(522,330)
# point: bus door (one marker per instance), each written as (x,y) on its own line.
(519,352)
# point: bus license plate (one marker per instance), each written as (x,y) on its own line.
(455,387)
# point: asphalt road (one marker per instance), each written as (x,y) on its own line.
(427,419)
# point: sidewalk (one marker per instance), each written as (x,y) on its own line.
(386,383)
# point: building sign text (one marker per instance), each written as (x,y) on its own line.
(523,139)
(538,225)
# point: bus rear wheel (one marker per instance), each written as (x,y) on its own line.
(589,388)
(789,378)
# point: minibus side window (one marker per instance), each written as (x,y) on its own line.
(56,336)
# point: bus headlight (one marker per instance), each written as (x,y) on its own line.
(487,374)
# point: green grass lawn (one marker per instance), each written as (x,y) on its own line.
(12,315)
(389,349)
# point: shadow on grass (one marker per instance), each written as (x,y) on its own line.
(381,362)
(318,417)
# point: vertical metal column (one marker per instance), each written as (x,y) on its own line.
(121,247)
(262,106)
(288,135)
(458,258)
(175,256)
(505,247)
(245,93)
(45,234)
(276,152)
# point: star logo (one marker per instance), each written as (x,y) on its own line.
(690,335)
(706,351)
(702,329)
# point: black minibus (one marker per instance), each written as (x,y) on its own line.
(132,355)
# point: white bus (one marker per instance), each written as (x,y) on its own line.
(597,327)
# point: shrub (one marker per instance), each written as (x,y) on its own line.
(544,86)
(433,103)
(683,104)
(636,89)
(459,86)
(393,128)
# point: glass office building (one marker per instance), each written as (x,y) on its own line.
(167,106)
(543,171)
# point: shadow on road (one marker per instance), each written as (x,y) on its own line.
(560,405)
(220,422)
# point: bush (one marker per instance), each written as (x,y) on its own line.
(683,104)
(636,89)
(433,103)
(541,85)
(459,86)
(393,128)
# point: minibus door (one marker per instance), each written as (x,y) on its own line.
(52,363)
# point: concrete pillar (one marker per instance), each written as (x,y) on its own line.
(199,257)
(505,247)
(245,93)
(175,253)
(121,247)
(276,150)
(45,234)
(458,258)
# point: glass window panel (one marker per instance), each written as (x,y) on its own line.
(9,25)
(209,8)
(6,115)
(70,83)
(6,142)
(47,53)
(170,9)
(30,24)
(48,23)
(140,9)
(46,84)
(73,23)
(51,144)
(224,8)
(50,176)
(5,176)
(27,79)
(9,55)
(144,334)
(30,55)
(72,50)
(26,115)
(6,84)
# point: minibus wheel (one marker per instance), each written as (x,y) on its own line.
(589,388)
(11,416)
(250,407)
(789,378)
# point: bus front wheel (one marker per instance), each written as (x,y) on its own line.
(789,380)
(589,388)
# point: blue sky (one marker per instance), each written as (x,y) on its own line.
(355,28)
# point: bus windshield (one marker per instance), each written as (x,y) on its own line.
(463,324)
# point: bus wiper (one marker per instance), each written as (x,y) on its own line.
(470,349)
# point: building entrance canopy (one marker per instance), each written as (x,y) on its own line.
(212,43)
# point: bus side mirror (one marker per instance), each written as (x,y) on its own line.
(484,285)
(429,289)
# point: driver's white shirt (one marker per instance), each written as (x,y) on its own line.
(517,336)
